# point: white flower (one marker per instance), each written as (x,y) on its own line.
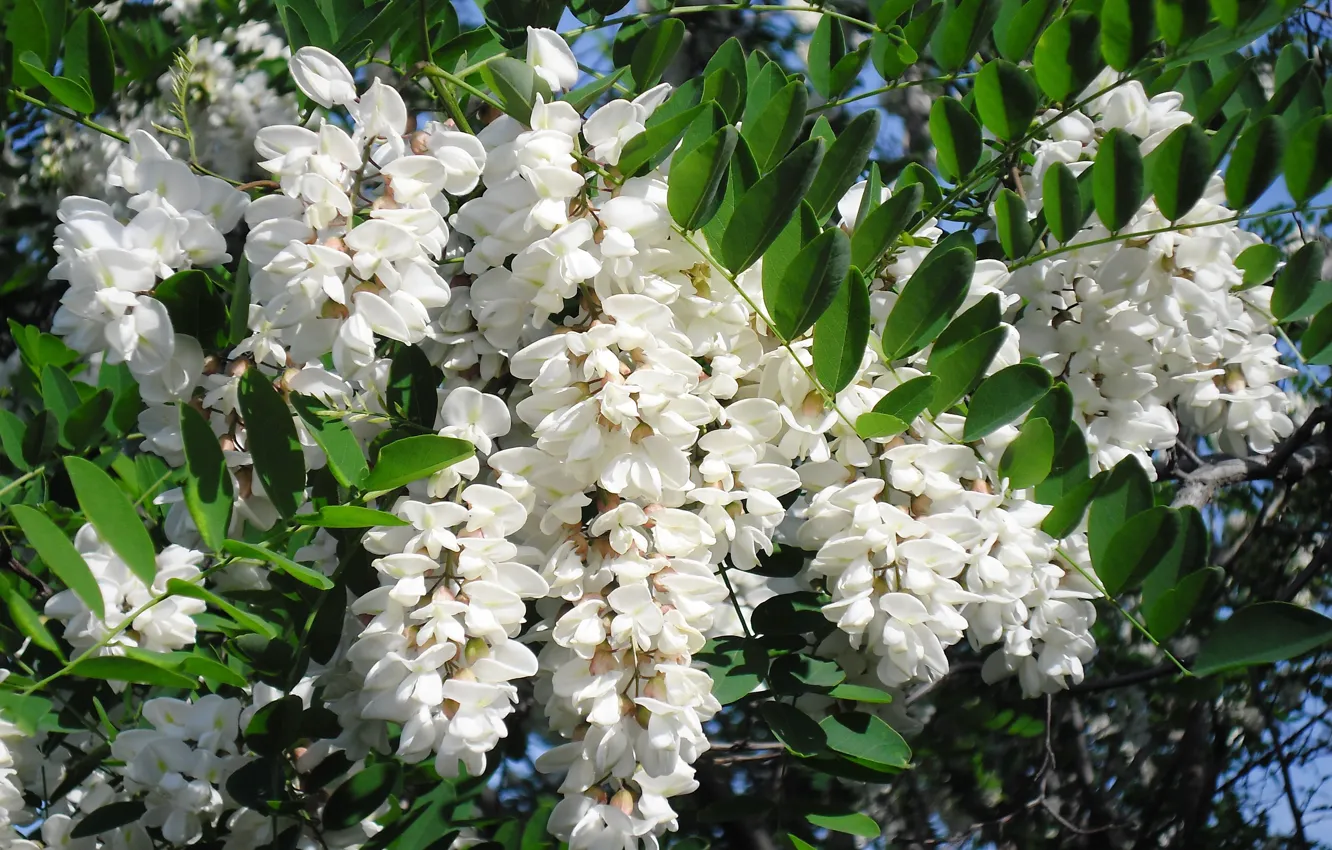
(551,58)
(322,77)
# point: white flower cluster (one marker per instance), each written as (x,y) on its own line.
(1154,333)
(658,439)
(179,221)
(229,99)
(177,766)
(13,810)
(164,627)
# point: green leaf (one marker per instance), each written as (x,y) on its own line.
(1003,398)
(1188,554)
(964,26)
(125,408)
(879,426)
(516,85)
(273,444)
(697,179)
(928,300)
(1214,98)
(1255,162)
(1016,32)
(917,174)
(357,799)
(980,317)
(88,56)
(1117,179)
(1139,546)
(1316,342)
(1258,262)
(413,385)
(653,145)
(195,308)
(212,671)
(208,489)
(414,458)
(263,555)
(653,54)
(1127,32)
(275,726)
(1068,55)
(957,137)
(876,232)
(1296,293)
(25,618)
(1262,634)
(28,713)
(765,209)
(809,285)
(1066,513)
(799,843)
(1065,212)
(1027,460)
(841,166)
(55,550)
(961,370)
(841,333)
(736,667)
(85,423)
(1167,614)
(343,452)
(348,516)
(117,522)
(107,818)
(1125,494)
(243,618)
(1221,141)
(852,823)
(907,400)
(59,395)
(1180,168)
(772,132)
(762,85)
(827,46)
(866,737)
(12,440)
(798,232)
(1006,99)
(1179,20)
(861,693)
(1308,159)
(794,728)
(123,668)
(1010,219)
(70,92)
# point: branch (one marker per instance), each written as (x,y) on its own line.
(1296,457)
(1296,814)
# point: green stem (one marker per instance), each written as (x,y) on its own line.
(22,479)
(1178,227)
(1095,582)
(116,632)
(65,113)
(832,104)
(436,72)
(828,398)
(676,12)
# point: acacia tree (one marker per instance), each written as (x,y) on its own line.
(647,458)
